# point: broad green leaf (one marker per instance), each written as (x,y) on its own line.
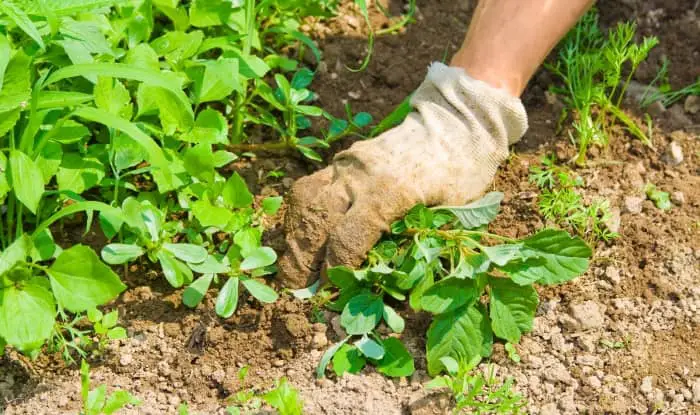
(26,180)
(44,247)
(23,21)
(8,119)
(397,360)
(260,291)
(223,158)
(111,96)
(461,334)
(271,205)
(362,314)
(236,193)
(187,252)
(512,308)
(66,7)
(96,399)
(362,119)
(155,153)
(16,86)
(118,400)
(60,99)
(285,399)
(87,33)
(143,56)
(80,281)
(161,79)
(4,180)
(393,319)
(18,251)
(27,314)
(215,80)
(477,213)
(258,258)
(174,111)
(210,215)
(79,173)
(370,348)
(448,294)
(199,162)
(227,301)
(176,46)
(503,254)
(127,152)
(5,53)
(302,78)
(348,359)
(427,281)
(211,265)
(210,127)
(121,253)
(248,239)
(69,132)
(206,13)
(176,272)
(326,358)
(553,256)
(342,277)
(193,294)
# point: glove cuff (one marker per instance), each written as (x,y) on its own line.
(479,104)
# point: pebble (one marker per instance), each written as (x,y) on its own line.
(633,204)
(656,109)
(278,363)
(319,341)
(696,390)
(337,327)
(673,155)
(692,104)
(549,409)
(614,221)
(594,382)
(558,373)
(126,359)
(677,117)
(646,386)
(588,314)
(613,275)
(678,198)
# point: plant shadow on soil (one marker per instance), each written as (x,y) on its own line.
(174,354)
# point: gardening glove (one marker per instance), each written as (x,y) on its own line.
(446,152)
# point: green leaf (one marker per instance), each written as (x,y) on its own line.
(176,272)
(397,360)
(210,215)
(461,334)
(227,300)
(161,79)
(118,400)
(117,333)
(27,314)
(206,13)
(512,308)
(210,127)
(393,319)
(18,251)
(415,299)
(271,205)
(248,239)
(69,132)
(21,19)
(60,99)
(16,89)
(258,258)
(114,254)
(195,292)
(348,359)
(284,399)
(449,294)
(176,46)
(370,348)
(342,277)
(309,153)
(80,281)
(79,173)
(187,252)
(5,53)
(326,358)
(211,265)
(503,254)
(174,111)
(660,198)
(362,314)
(215,80)
(362,119)
(8,119)
(26,179)
(127,152)
(553,257)
(111,96)
(236,193)
(260,291)
(199,162)
(477,213)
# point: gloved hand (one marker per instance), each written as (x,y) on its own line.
(445,152)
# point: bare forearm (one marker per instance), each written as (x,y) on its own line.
(508,39)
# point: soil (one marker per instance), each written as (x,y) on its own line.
(621,339)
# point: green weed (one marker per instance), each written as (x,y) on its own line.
(76,337)
(561,203)
(477,285)
(596,70)
(660,198)
(475,392)
(96,401)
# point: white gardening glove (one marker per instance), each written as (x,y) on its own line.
(445,152)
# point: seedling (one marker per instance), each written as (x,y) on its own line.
(96,401)
(475,392)
(660,198)
(476,284)
(73,336)
(592,69)
(561,202)
(283,397)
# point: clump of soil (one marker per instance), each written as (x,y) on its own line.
(620,339)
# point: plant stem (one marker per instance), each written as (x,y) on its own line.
(273,147)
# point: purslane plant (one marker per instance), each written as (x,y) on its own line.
(477,285)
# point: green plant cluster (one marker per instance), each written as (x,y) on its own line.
(96,401)
(477,285)
(561,202)
(123,113)
(595,70)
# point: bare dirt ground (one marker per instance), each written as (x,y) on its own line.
(624,338)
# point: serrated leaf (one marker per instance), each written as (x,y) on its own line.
(553,257)
(462,334)
(448,294)
(362,314)
(236,193)
(477,213)
(397,360)
(215,80)
(284,399)
(348,359)
(80,281)
(512,308)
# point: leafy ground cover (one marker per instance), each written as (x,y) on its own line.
(594,343)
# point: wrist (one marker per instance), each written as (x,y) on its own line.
(495,74)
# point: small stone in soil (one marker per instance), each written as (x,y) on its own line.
(588,314)
(673,155)
(633,204)
(696,390)
(692,104)
(319,340)
(126,359)
(613,274)
(678,198)
(646,386)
